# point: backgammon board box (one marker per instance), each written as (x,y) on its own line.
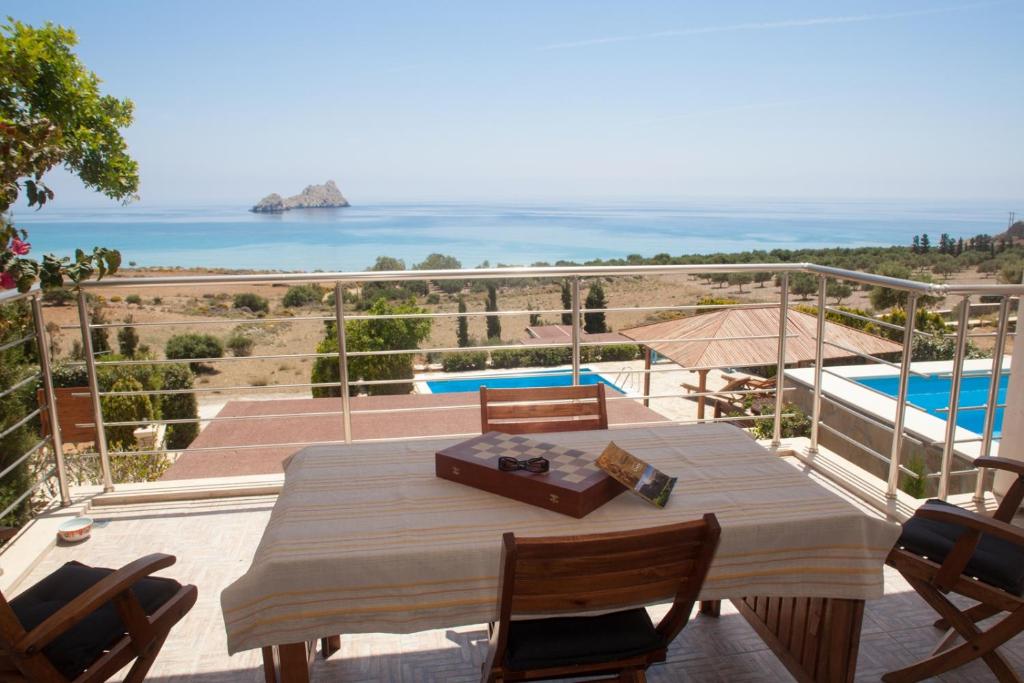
(574,485)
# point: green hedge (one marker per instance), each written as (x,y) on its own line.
(467,360)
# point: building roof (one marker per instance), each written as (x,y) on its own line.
(729,337)
(553,334)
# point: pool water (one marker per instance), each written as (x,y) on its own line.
(548,378)
(931,393)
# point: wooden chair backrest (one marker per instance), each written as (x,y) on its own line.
(543,409)
(573,574)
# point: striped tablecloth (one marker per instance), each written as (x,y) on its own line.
(365,538)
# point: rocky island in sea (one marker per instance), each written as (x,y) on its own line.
(326,196)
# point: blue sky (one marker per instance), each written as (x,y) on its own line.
(561,101)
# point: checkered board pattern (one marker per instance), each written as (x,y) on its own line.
(567,464)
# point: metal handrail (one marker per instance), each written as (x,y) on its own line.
(576,274)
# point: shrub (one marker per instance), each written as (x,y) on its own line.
(911,486)
(254,302)
(115,299)
(240,345)
(712,301)
(302,295)
(157,301)
(128,341)
(58,297)
(126,409)
(133,299)
(186,346)
(179,406)
(509,358)
(466,360)
(13,407)
(374,334)
(620,352)
(794,423)
(433,298)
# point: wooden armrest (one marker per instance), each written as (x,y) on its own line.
(1007,464)
(690,387)
(104,591)
(972,521)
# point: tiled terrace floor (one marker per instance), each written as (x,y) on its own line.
(214,541)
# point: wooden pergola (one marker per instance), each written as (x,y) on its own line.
(731,337)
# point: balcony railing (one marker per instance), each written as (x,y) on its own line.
(891,455)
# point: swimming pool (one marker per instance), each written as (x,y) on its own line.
(547,378)
(931,393)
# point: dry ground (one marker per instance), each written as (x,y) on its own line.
(208,308)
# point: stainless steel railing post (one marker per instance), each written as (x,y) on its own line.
(94,391)
(954,397)
(575,330)
(51,401)
(993,392)
(780,371)
(819,356)
(339,321)
(901,397)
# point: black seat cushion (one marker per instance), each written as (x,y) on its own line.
(997,562)
(77,648)
(566,641)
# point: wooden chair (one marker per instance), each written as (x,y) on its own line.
(85,624)
(544,409)
(945,549)
(548,578)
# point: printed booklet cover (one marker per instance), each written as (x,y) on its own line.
(642,479)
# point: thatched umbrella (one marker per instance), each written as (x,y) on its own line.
(730,337)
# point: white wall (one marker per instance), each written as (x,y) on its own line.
(1011,444)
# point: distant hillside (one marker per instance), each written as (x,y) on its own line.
(1016,231)
(326,196)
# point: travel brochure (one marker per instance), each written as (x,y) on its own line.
(644,480)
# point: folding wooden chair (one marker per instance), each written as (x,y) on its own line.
(543,409)
(549,578)
(945,549)
(85,624)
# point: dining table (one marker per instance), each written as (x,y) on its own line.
(365,538)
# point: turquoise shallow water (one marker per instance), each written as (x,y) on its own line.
(547,378)
(351,238)
(931,393)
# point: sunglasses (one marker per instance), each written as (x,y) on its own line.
(535,465)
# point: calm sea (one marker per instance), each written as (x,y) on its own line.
(351,238)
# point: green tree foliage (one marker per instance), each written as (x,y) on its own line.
(443,262)
(186,346)
(137,408)
(373,335)
(803,285)
(838,290)
(128,340)
(15,323)
(594,321)
(254,302)
(566,302)
(183,406)
(462,330)
(302,295)
(493,321)
(740,279)
(762,277)
(52,113)
(100,335)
